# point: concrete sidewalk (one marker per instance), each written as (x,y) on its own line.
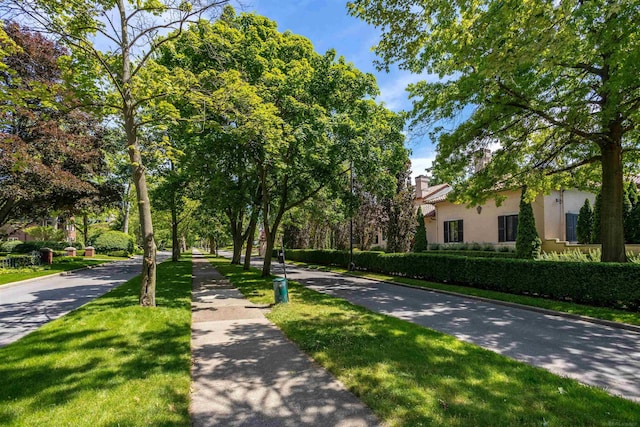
(247,373)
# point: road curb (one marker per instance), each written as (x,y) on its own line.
(610,323)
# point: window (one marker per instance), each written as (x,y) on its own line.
(453,231)
(572,225)
(507,228)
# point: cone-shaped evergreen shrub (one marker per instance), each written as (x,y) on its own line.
(527,243)
(420,241)
(584,229)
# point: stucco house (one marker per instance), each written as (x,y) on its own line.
(556,216)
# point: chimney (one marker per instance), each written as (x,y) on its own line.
(422,184)
(482,158)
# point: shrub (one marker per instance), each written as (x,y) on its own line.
(9,246)
(114,241)
(27,247)
(420,239)
(599,284)
(528,242)
(584,229)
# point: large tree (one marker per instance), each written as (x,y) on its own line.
(130,33)
(296,118)
(51,153)
(553,84)
(401,226)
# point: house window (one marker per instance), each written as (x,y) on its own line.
(572,225)
(507,228)
(453,231)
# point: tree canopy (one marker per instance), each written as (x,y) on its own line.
(51,151)
(553,85)
(284,122)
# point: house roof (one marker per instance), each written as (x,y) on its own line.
(435,194)
(440,195)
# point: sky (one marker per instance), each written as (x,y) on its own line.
(328,25)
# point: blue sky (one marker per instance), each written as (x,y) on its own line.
(328,26)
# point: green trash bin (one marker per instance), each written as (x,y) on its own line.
(280,290)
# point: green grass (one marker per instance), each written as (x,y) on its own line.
(628,317)
(9,275)
(109,363)
(413,376)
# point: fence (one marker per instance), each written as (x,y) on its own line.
(30,260)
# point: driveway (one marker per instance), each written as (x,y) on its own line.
(27,306)
(592,354)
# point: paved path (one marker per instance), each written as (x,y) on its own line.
(592,354)
(24,307)
(246,373)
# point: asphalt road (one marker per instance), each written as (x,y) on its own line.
(27,306)
(593,354)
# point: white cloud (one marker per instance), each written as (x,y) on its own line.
(418,166)
(393,92)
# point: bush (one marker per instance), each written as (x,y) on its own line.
(584,229)
(114,241)
(27,247)
(9,246)
(528,243)
(420,238)
(600,284)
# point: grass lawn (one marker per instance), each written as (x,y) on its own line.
(631,318)
(9,275)
(413,376)
(109,363)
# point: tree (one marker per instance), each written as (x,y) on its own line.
(584,228)
(401,224)
(131,29)
(420,239)
(52,153)
(295,117)
(552,83)
(528,243)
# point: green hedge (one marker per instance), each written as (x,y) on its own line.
(25,248)
(599,284)
(473,253)
(9,246)
(113,241)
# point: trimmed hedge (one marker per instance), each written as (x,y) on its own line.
(114,241)
(472,253)
(598,284)
(25,248)
(9,246)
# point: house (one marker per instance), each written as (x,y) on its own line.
(18,233)
(556,216)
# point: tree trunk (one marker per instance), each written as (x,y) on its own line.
(175,241)
(270,234)
(250,235)
(238,240)
(611,215)
(213,246)
(148,276)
